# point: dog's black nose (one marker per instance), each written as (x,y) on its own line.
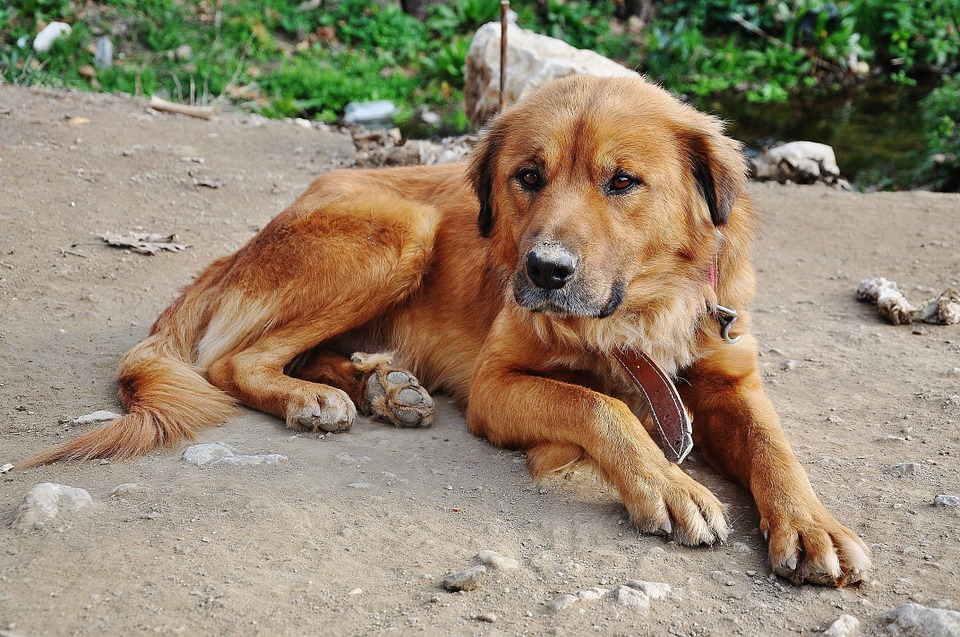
(550,267)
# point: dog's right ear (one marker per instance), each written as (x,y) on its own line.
(480,174)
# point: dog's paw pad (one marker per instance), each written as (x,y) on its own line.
(396,397)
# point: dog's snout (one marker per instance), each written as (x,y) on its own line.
(550,267)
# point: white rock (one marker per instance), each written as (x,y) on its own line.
(206,454)
(47,501)
(653,590)
(50,34)
(799,162)
(497,561)
(97,416)
(533,60)
(5,468)
(220,453)
(590,594)
(913,620)
(845,626)
(626,596)
(562,601)
(946,501)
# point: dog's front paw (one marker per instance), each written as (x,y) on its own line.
(676,505)
(808,545)
(330,410)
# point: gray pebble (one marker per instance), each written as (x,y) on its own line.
(626,596)
(486,617)
(467,580)
(103,58)
(562,601)
(845,626)
(126,490)
(905,468)
(946,501)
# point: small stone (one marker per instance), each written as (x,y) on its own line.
(653,590)
(87,72)
(467,580)
(126,490)
(497,561)
(844,626)
(905,468)
(490,618)
(946,501)
(590,594)
(360,485)
(626,596)
(789,364)
(356,591)
(47,501)
(914,620)
(5,468)
(562,601)
(103,56)
(836,420)
(95,417)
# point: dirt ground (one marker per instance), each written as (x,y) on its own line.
(354,532)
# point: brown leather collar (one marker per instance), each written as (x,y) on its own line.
(666,409)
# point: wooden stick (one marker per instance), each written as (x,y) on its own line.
(504,13)
(203,112)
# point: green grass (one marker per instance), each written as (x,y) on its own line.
(282,58)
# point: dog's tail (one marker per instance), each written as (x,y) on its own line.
(166,398)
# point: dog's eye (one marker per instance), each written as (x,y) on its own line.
(621,183)
(530,179)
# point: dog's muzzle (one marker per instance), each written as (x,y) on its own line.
(550,279)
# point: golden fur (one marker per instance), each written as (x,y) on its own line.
(602,203)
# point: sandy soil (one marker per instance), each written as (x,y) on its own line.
(353,533)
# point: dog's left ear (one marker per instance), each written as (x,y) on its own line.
(719,170)
(480,174)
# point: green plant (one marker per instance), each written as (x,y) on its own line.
(941,126)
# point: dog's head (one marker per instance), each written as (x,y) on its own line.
(601,194)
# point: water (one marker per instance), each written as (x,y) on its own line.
(875,129)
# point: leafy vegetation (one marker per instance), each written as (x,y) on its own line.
(941,127)
(286,58)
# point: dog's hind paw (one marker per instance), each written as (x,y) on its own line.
(395,396)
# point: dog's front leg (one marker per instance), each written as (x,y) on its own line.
(738,431)
(515,402)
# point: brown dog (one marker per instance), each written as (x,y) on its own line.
(601,208)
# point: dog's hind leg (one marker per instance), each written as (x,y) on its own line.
(378,388)
(309,277)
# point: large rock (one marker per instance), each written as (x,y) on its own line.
(532,61)
(913,620)
(800,163)
(47,502)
